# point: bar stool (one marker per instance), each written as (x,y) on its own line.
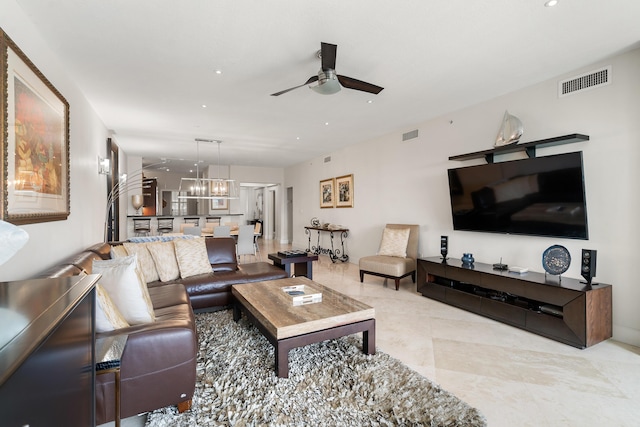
(165,225)
(214,220)
(142,226)
(195,220)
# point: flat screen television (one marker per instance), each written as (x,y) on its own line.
(542,196)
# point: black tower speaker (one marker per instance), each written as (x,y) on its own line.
(588,266)
(444,246)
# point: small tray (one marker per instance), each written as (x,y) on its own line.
(292,254)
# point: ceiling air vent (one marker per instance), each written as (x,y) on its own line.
(410,135)
(327,159)
(584,82)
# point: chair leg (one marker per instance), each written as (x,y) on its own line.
(397,283)
(361,276)
(413,277)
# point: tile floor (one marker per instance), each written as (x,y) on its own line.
(513,377)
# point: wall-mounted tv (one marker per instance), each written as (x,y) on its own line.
(542,196)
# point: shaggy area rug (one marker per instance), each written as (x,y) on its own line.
(332,383)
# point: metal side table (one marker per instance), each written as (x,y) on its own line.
(108,355)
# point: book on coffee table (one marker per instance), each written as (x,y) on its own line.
(302,296)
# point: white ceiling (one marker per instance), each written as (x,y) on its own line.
(148,66)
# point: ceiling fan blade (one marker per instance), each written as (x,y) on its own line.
(311,80)
(351,83)
(328,55)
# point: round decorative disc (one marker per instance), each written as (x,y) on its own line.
(556,259)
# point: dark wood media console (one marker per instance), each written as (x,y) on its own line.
(568,311)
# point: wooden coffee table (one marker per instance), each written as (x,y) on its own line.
(287,326)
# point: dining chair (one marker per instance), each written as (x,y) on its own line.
(213,220)
(194,231)
(222,231)
(186,225)
(245,245)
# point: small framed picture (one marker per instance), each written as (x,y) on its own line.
(219,204)
(327,193)
(344,191)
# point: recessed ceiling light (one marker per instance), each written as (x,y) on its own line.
(204,105)
(326,123)
(218,71)
(550,3)
(370,101)
(297,137)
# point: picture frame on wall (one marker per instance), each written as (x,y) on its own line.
(34,118)
(219,204)
(327,193)
(344,191)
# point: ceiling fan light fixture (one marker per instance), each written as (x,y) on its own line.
(328,83)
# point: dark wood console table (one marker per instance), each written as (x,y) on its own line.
(565,310)
(334,254)
(297,265)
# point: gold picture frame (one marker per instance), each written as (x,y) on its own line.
(344,191)
(327,193)
(34,118)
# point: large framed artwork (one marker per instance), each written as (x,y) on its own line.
(34,118)
(344,191)
(327,193)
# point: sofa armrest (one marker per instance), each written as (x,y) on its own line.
(158,369)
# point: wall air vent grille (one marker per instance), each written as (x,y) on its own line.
(410,135)
(327,159)
(584,82)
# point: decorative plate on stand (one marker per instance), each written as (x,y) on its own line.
(556,260)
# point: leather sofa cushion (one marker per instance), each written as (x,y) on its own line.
(222,253)
(221,281)
(166,295)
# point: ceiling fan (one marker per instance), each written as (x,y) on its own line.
(328,81)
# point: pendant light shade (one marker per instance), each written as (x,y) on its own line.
(208,188)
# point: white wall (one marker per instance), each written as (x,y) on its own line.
(406,182)
(51,242)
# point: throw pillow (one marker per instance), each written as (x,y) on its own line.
(164,257)
(118,251)
(394,242)
(145,260)
(108,317)
(125,284)
(192,257)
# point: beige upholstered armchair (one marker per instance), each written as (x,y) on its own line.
(397,256)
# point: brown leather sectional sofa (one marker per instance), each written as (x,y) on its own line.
(158,366)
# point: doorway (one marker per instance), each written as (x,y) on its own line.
(290,215)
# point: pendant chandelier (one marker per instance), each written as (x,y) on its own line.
(207,188)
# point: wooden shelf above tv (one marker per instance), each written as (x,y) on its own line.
(529,147)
